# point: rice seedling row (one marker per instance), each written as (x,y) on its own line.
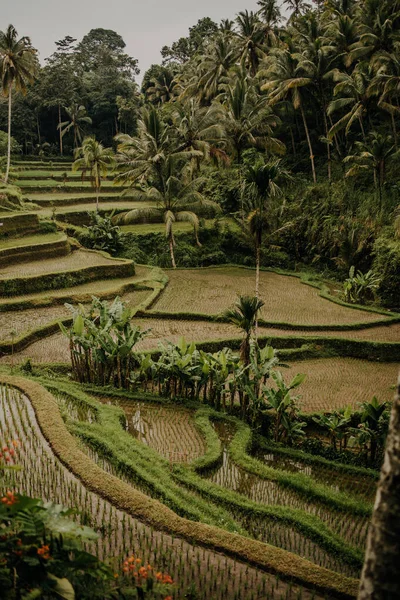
(357,485)
(352,528)
(257,527)
(210,291)
(171,432)
(214,575)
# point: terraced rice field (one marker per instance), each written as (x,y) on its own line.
(171,432)
(76,260)
(213,575)
(287,300)
(358,485)
(352,528)
(81,292)
(30,240)
(334,383)
(15,323)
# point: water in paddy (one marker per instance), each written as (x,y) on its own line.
(211,574)
(352,528)
(354,484)
(171,431)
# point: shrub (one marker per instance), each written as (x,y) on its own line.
(387,265)
(359,288)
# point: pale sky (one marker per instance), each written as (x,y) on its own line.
(145,25)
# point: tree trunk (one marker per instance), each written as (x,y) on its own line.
(394,131)
(171,250)
(380,576)
(38,129)
(9,137)
(258,253)
(309,143)
(327,145)
(59,126)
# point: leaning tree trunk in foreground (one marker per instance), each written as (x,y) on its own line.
(380,579)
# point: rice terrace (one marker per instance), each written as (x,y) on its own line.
(200,308)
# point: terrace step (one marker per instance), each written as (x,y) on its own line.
(36,247)
(18,224)
(76,268)
(105,288)
(37,175)
(50,185)
(52,199)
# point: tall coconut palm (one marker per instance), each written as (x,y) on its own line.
(297,7)
(214,67)
(140,158)
(386,85)
(18,67)
(244,315)
(159,171)
(285,76)
(372,155)
(199,128)
(98,161)
(175,197)
(249,121)
(162,88)
(77,118)
(351,95)
(260,189)
(250,39)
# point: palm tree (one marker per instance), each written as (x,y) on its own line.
(297,7)
(244,315)
(199,128)
(286,76)
(351,94)
(372,155)
(162,88)
(141,157)
(18,66)
(220,56)
(386,85)
(250,38)
(260,189)
(77,117)
(159,170)
(97,160)
(176,198)
(249,121)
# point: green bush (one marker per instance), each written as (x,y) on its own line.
(386,265)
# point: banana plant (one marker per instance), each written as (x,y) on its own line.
(285,407)
(336,424)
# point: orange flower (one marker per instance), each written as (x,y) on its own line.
(44,552)
(9,499)
(168,598)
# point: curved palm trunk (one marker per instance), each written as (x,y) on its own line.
(309,143)
(171,250)
(9,138)
(380,577)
